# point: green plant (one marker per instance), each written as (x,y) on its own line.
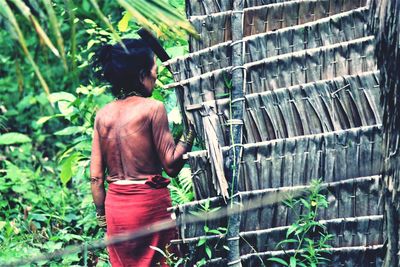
(158,15)
(79,111)
(170,258)
(3,120)
(181,188)
(208,247)
(45,198)
(308,236)
(204,242)
(39,215)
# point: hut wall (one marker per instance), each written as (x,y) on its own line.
(311,112)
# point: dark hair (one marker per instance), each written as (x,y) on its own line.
(124,68)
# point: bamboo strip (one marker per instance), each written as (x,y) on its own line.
(278,229)
(287,189)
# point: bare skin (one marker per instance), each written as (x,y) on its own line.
(132,141)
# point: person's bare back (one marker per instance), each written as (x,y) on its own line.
(135,141)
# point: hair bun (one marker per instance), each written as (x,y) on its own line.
(102,59)
(122,66)
(104,54)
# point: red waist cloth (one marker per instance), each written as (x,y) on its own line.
(133,206)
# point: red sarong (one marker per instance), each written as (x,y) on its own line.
(133,206)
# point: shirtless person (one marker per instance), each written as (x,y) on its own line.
(132,144)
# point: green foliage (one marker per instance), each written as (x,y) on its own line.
(39,215)
(21,19)
(14,138)
(2,122)
(306,235)
(204,242)
(171,259)
(181,188)
(79,111)
(45,139)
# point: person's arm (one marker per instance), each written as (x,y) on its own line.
(97,177)
(169,154)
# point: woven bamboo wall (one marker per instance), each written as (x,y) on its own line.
(295,161)
(341,27)
(311,111)
(322,106)
(215,28)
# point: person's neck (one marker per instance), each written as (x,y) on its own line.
(132,93)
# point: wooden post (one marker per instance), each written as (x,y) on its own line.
(237,107)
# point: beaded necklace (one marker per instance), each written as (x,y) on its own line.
(122,95)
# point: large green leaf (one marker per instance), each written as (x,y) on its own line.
(70,130)
(44,119)
(293,261)
(14,138)
(208,252)
(124,22)
(65,108)
(67,169)
(55,97)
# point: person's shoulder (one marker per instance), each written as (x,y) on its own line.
(104,110)
(152,104)
(153,108)
(152,101)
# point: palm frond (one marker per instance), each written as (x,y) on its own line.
(6,11)
(106,21)
(155,15)
(56,30)
(158,16)
(26,12)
